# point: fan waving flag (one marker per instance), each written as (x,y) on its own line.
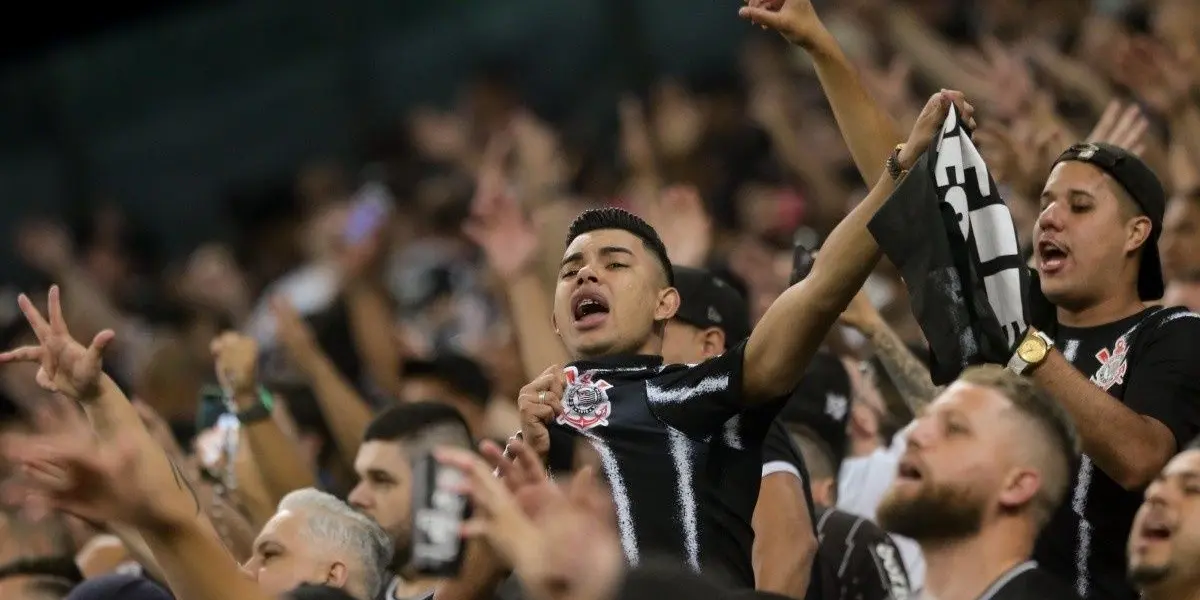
(949,232)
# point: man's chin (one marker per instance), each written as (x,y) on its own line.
(929,513)
(1148,574)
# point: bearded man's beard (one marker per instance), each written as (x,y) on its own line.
(936,512)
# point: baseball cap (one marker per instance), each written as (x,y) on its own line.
(119,587)
(821,403)
(706,300)
(1146,190)
(457,371)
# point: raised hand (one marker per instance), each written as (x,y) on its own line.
(795,20)
(683,223)
(1156,75)
(1122,126)
(1006,76)
(65,365)
(498,224)
(236,357)
(930,121)
(64,467)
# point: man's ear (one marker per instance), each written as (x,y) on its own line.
(337,575)
(1139,233)
(668,305)
(714,342)
(554,322)
(1020,488)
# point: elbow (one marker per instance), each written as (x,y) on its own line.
(1138,473)
(784,562)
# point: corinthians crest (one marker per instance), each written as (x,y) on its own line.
(585,401)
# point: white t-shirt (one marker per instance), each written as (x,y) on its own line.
(862,482)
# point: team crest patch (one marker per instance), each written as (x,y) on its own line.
(1112,365)
(585,400)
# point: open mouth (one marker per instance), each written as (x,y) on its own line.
(908,471)
(1051,256)
(1156,530)
(589,309)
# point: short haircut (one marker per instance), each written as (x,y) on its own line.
(1192,445)
(48,589)
(360,542)
(609,217)
(420,427)
(1051,422)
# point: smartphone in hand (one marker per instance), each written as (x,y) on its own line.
(438,512)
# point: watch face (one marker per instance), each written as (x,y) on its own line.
(1030,351)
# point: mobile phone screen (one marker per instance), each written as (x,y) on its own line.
(372,207)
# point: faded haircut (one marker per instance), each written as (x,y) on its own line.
(615,218)
(1050,422)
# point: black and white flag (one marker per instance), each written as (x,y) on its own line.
(949,232)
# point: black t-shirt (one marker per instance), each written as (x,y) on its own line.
(857,561)
(682,457)
(1028,582)
(1149,362)
(780,455)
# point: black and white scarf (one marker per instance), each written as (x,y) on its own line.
(949,232)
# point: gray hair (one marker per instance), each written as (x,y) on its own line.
(360,542)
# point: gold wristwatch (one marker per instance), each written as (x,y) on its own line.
(1031,352)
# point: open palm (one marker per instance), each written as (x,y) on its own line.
(65,365)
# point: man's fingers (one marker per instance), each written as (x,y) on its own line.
(40,327)
(762,17)
(95,350)
(58,323)
(528,464)
(22,354)
(536,414)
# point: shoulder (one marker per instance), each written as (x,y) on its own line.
(1167,330)
(1170,323)
(1035,583)
(718,372)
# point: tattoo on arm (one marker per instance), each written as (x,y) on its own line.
(181,482)
(908,374)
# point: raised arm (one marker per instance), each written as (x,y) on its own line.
(797,322)
(869,131)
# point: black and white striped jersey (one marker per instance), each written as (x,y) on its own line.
(681,456)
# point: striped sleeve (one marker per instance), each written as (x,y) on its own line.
(701,400)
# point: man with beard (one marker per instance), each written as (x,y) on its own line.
(986,465)
(1164,547)
(391,445)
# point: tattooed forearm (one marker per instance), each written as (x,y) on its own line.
(181,482)
(908,374)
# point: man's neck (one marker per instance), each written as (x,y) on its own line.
(964,569)
(1109,310)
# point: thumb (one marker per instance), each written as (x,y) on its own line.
(761,16)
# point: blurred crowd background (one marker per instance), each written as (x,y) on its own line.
(174,170)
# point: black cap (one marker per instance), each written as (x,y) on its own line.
(821,403)
(1146,190)
(119,587)
(706,300)
(459,372)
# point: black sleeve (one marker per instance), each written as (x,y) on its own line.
(1165,381)
(703,400)
(877,571)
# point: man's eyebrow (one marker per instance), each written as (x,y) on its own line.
(573,257)
(605,251)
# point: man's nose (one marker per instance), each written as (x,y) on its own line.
(586,274)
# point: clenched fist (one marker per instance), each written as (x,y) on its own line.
(236,357)
(541,402)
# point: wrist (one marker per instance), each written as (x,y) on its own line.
(820,43)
